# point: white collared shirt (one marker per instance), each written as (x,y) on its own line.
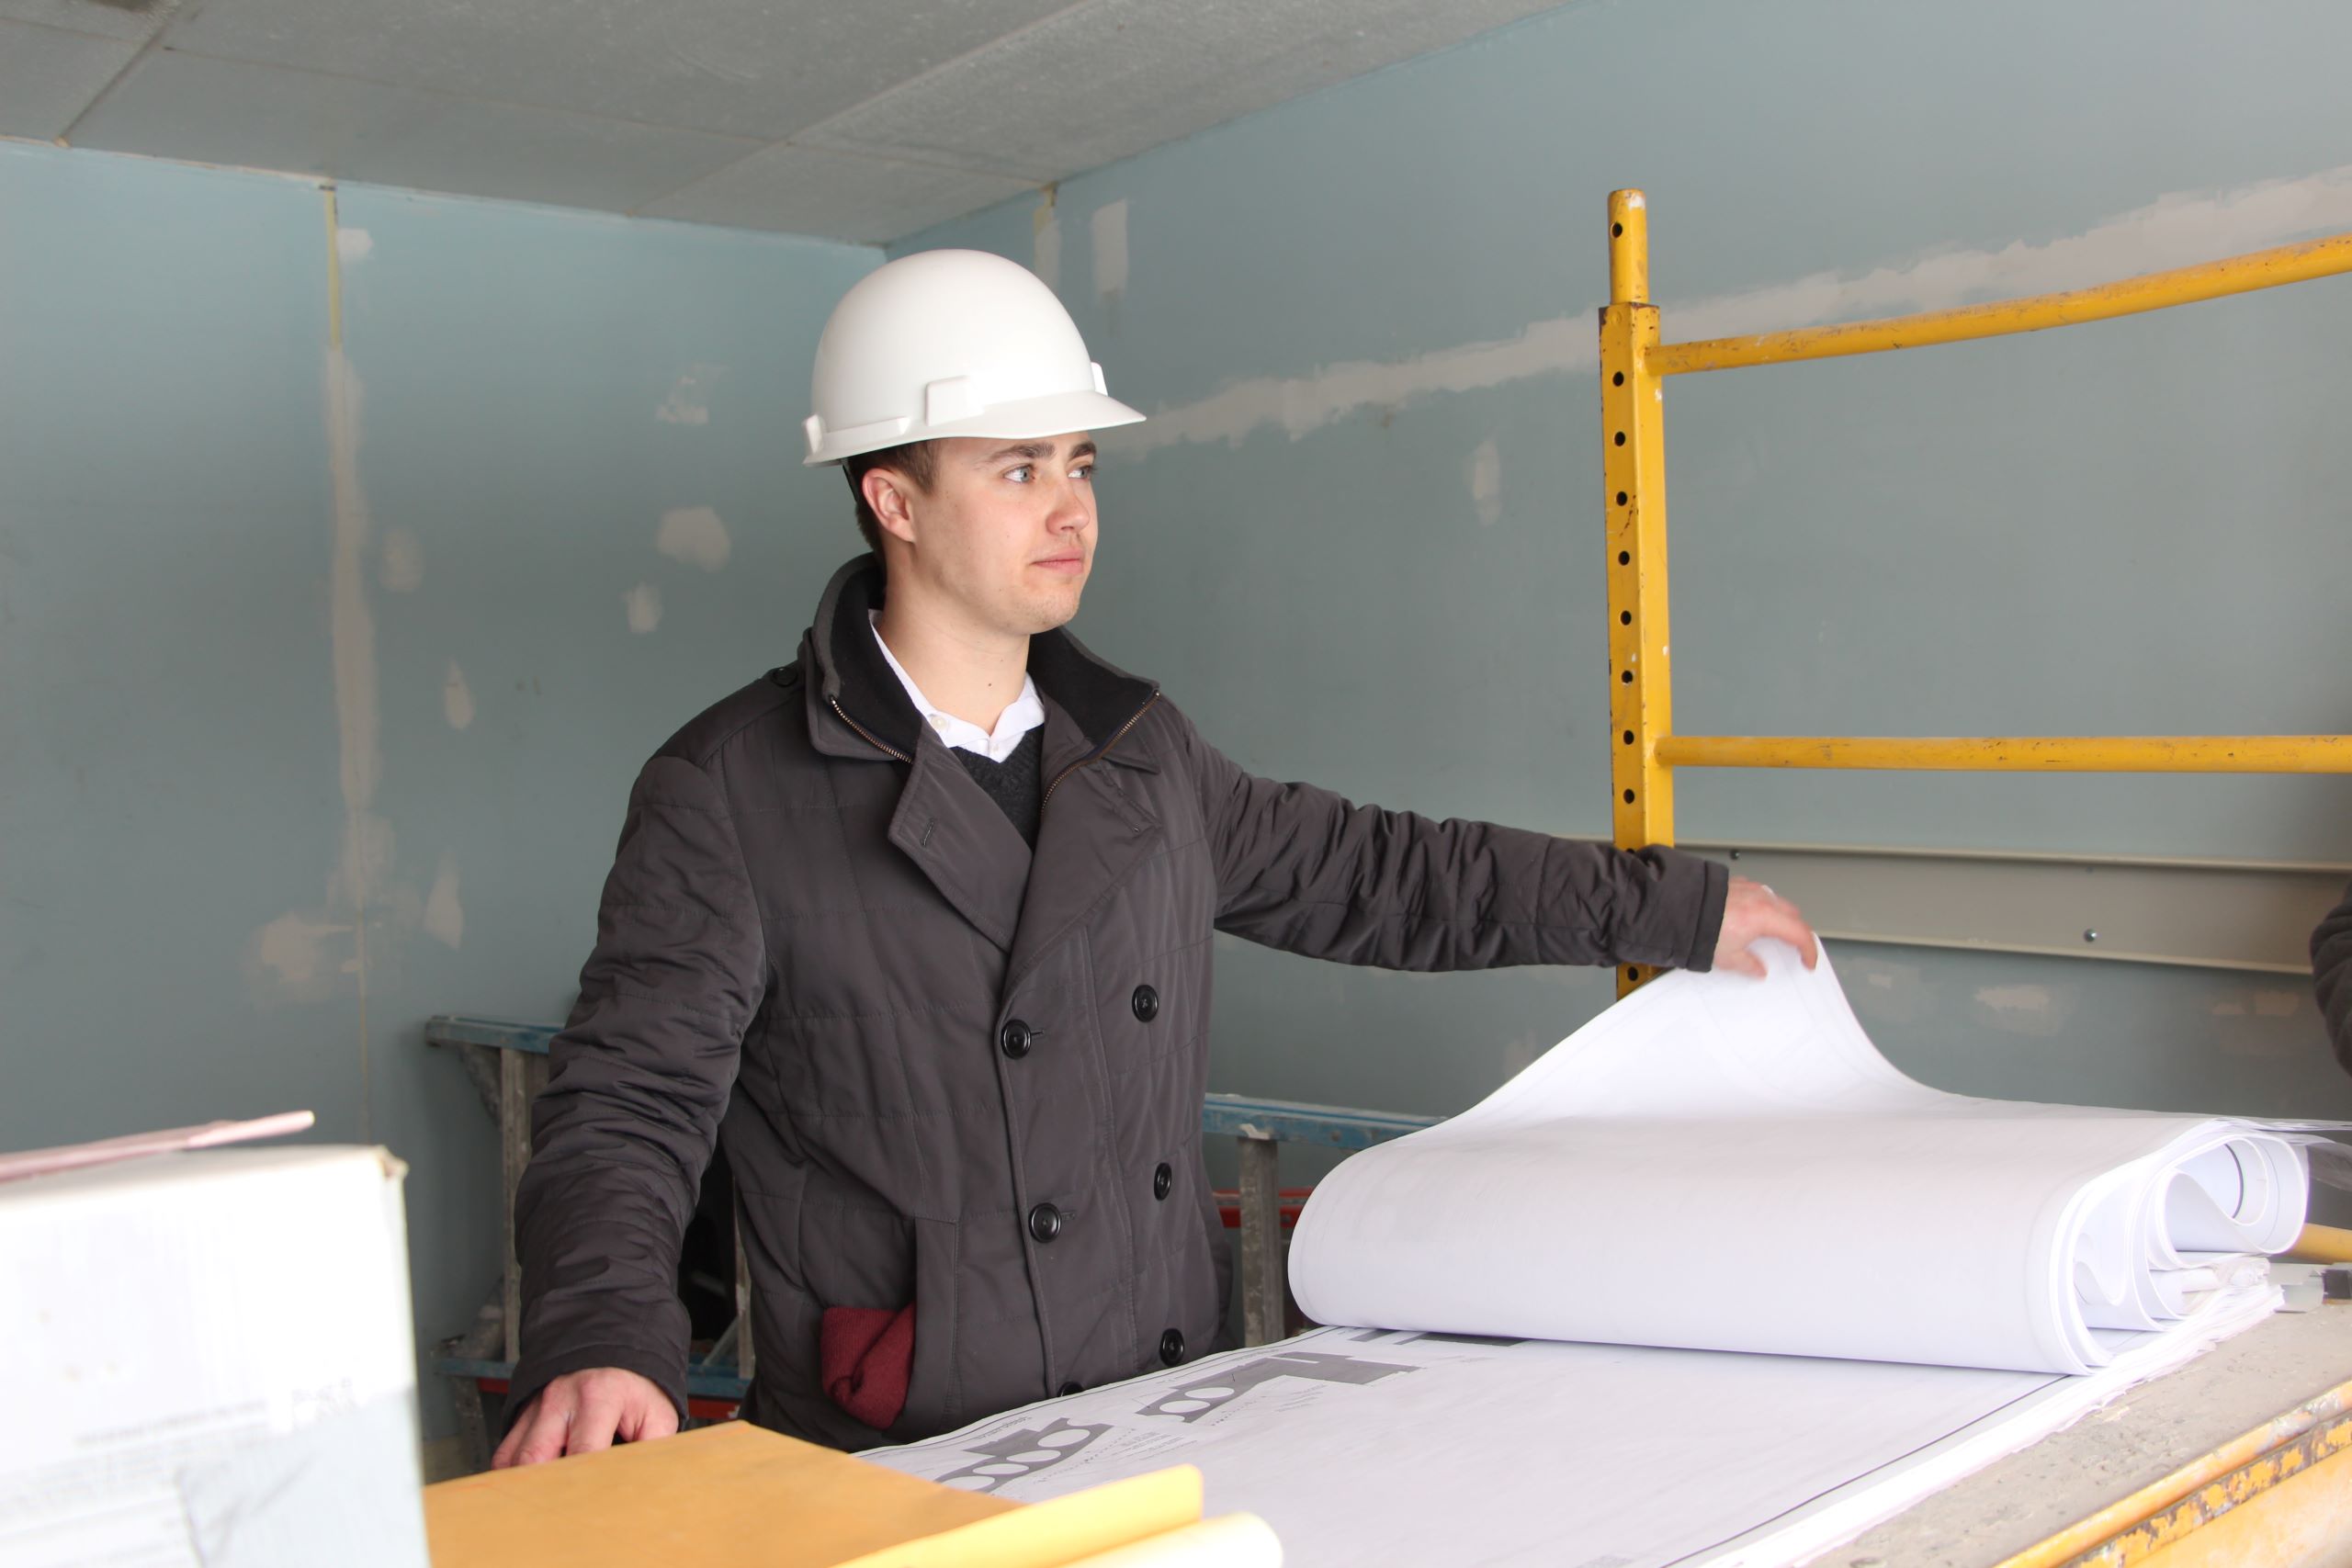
(1025,714)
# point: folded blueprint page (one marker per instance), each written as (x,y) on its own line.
(1846,1210)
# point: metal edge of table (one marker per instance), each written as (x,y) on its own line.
(2230,1475)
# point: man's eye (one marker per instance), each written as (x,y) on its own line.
(1019,476)
(1085,471)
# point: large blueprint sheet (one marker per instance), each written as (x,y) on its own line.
(1840,1208)
(1366,1447)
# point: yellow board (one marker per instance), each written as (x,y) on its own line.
(1066,1531)
(2150,292)
(739,1495)
(2023,754)
(2303,1522)
(1632,412)
(2322,1243)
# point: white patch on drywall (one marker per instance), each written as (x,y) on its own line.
(1045,251)
(643,604)
(2015,998)
(1885,992)
(689,399)
(1487,481)
(693,534)
(2175,229)
(1299,405)
(1109,229)
(352,244)
(456,698)
(298,957)
(445,917)
(2024,1009)
(400,564)
(2277,1004)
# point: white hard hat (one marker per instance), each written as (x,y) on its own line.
(951,343)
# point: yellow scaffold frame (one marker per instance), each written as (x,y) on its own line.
(1634,367)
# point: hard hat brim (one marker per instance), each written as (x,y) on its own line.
(1059,414)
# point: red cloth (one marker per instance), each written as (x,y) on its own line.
(866,1355)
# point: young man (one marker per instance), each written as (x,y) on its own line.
(2332,975)
(919,928)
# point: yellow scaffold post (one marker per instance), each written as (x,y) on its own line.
(1633,367)
(1633,411)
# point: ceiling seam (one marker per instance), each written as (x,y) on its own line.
(973,53)
(155,41)
(147,45)
(793,143)
(456,96)
(62,28)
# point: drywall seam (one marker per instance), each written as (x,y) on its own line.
(2175,229)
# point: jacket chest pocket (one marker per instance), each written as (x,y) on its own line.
(1151,962)
(882,1013)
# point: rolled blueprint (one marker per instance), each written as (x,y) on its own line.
(1721,1163)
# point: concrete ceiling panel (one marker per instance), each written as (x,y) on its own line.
(841,196)
(214,111)
(1108,79)
(863,121)
(47,76)
(131,20)
(756,68)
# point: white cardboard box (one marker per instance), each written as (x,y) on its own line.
(205,1358)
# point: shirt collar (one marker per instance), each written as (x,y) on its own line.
(1025,714)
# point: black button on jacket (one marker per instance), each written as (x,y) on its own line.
(815,928)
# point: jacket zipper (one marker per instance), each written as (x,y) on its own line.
(1097,756)
(835,703)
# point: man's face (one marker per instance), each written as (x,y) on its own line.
(1006,530)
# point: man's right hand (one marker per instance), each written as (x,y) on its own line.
(582,1412)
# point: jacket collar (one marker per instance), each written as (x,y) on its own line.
(857,708)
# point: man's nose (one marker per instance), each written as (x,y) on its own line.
(1073,507)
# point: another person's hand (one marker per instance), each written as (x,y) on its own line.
(1752,911)
(582,1412)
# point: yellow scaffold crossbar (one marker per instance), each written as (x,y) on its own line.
(1633,367)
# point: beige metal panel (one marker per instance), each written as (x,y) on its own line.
(2246,915)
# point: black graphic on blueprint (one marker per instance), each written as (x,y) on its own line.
(1022,1453)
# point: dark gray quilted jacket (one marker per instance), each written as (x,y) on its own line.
(2332,975)
(949,1071)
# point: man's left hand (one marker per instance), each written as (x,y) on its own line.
(1751,912)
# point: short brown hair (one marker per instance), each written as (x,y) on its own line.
(917,460)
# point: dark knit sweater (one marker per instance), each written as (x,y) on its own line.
(1017,783)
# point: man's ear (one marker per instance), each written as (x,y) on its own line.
(890,496)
